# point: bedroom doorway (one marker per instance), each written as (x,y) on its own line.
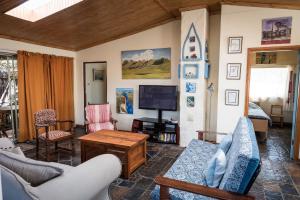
(272,96)
(95,83)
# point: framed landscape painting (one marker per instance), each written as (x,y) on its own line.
(146,64)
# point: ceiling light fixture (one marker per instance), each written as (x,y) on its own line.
(34,10)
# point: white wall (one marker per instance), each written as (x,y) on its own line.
(11,45)
(246,22)
(167,35)
(193,118)
(213,56)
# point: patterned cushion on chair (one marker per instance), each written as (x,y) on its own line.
(53,135)
(45,117)
(189,167)
(100,126)
(98,113)
(243,158)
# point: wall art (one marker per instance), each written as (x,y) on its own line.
(235,45)
(190,87)
(124,100)
(146,64)
(276,30)
(192,49)
(232,97)
(233,71)
(191,71)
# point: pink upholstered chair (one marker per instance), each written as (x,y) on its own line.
(98,117)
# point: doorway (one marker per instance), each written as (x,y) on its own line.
(9,118)
(95,83)
(272,89)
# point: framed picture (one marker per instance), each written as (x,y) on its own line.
(124,100)
(192,39)
(146,64)
(266,58)
(232,97)
(192,48)
(190,101)
(233,71)
(276,30)
(191,71)
(190,87)
(235,45)
(98,74)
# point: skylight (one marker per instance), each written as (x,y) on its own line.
(34,10)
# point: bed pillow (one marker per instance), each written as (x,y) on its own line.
(215,169)
(225,144)
(32,171)
(253,105)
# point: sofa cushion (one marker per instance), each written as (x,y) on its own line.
(13,187)
(101,126)
(243,158)
(226,143)
(215,169)
(34,172)
(190,167)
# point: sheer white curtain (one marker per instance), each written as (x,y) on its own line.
(270,84)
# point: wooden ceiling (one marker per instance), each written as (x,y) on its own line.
(94,22)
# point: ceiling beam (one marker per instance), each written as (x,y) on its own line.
(259,4)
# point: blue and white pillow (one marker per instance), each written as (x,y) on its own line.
(215,169)
(226,143)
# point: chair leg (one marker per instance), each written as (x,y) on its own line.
(47,151)
(37,148)
(56,146)
(72,147)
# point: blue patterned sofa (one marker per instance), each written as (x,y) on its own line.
(185,180)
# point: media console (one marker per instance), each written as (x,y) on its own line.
(162,131)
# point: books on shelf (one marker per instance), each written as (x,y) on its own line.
(167,137)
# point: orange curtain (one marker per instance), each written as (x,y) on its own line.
(44,82)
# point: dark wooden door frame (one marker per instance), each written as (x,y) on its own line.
(249,63)
(84,80)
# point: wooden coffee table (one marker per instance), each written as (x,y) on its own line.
(129,147)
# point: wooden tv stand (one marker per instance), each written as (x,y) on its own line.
(163,131)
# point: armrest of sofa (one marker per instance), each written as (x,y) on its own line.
(89,180)
(166,183)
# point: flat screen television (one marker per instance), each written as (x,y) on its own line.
(158,97)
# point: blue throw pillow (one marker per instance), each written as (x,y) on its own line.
(226,143)
(216,169)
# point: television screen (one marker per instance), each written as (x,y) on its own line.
(158,97)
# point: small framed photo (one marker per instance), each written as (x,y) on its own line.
(190,101)
(235,45)
(233,71)
(192,39)
(191,71)
(98,75)
(192,48)
(232,97)
(190,87)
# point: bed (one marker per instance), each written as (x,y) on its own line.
(260,121)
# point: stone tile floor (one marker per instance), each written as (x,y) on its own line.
(278,179)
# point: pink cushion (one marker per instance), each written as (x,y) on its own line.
(98,113)
(100,126)
(53,135)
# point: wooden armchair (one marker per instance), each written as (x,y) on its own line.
(166,183)
(46,119)
(98,117)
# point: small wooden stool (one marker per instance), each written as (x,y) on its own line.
(277,113)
